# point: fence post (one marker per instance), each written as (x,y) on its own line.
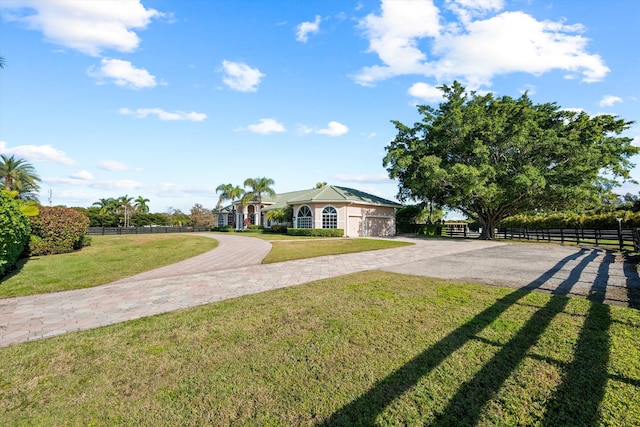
(620,233)
(562,236)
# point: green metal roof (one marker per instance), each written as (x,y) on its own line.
(225,209)
(326,194)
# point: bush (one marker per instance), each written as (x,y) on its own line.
(316,232)
(255,227)
(14,231)
(572,220)
(57,230)
(224,228)
(431,230)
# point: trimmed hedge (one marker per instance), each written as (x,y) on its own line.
(57,230)
(277,229)
(606,221)
(14,232)
(224,228)
(316,232)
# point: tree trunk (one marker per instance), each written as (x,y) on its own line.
(488,227)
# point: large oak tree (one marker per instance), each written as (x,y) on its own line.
(492,157)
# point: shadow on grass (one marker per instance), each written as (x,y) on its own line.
(633,281)
(576,400)
(15,269)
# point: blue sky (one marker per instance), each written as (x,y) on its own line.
(169,99)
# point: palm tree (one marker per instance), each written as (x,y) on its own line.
(124,203)
(229,192)
(107,206)
(19,175)
(258,187)
(2,61)
(141,205)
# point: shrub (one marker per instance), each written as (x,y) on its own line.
(572,220)
(14,231)
(277,229)
(57,230)
(431,230)
(317,232)
(255,227)
(224,228)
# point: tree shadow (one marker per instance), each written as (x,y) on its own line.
(633,281)
(577,400)
(17,267)
(465,407)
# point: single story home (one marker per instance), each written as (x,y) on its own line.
(358,213)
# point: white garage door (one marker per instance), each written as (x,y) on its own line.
(355,226)
(378,227)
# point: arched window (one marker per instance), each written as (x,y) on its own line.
(305,219)
(220,220)
(329,217)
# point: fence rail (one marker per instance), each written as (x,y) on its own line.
(624,238)
(110,231)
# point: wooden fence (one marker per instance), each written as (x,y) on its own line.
(623,238)
(109,231)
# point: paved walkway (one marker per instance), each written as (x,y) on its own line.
(233,269)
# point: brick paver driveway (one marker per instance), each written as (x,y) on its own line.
(233,269)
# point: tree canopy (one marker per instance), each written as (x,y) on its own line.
(492,157)
(229,192)
(259,186)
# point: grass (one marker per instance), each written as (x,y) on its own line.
(290,250)
(109,258)
(371,348)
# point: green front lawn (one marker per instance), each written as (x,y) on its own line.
(109,258)
(366,349)
(290,250)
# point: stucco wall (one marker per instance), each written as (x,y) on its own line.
(356,220)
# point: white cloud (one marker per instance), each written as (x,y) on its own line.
(393,36)
(122,73)
(609,100)
(304,130)
(306,28)
(467,9)
(334,129)
(123,184)
(82,175)
(87,26)
(472,49)
(112,165)
(37,153)
(514,42)
(142,113)
(267,126)
(377,178)
(241,77)
(426,92)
